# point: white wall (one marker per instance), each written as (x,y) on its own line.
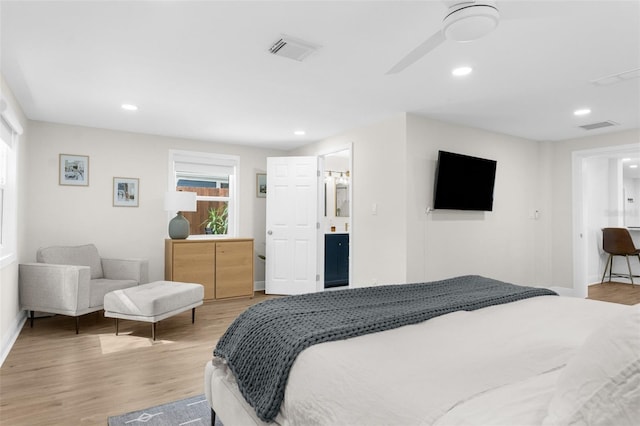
(542,244)
(616,200)
(632,201)
(394,167)
(378,178)
(597,211)
(500,244)
(70,215)
(11,317)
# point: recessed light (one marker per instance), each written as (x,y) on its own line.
(583,111)
(129,107)
(299,133)
(633,166)
(461,71)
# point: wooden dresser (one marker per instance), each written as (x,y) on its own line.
(224,267)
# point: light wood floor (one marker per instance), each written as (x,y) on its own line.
(54,377)
(626,294)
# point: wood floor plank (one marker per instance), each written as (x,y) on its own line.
(54,377)
(626,294)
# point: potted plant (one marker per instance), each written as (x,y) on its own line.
(217,222)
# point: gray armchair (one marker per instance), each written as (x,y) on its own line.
(73,280)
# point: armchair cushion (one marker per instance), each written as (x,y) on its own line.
(102,286)
(86,255)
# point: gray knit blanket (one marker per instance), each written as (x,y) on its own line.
(261,345)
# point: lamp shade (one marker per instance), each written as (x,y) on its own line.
(180,201)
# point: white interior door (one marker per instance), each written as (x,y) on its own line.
(292,226)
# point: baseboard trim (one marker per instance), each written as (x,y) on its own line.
(258,286)
(12,335)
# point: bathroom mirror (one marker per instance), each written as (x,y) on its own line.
(342,200)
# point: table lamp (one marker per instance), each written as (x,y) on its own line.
(179,201)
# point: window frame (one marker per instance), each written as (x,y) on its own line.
(9,136)
(210,159)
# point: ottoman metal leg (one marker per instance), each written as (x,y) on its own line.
(193,315)
(153,331)
(117,323)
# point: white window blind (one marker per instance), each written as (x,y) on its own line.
(214,178)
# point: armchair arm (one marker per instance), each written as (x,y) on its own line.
(126,269)
(60,289)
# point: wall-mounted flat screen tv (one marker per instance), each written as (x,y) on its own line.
(463,182)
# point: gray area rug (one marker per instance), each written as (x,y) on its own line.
(192,411)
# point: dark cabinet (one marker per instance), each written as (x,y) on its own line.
(336,260)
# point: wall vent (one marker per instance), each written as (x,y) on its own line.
(599,125)
(293,48)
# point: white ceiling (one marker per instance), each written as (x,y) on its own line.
(201,69)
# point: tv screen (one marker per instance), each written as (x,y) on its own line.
(464,182)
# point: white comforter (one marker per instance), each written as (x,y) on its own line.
(498,365)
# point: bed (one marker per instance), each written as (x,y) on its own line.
(540,359)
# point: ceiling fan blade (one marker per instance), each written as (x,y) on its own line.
(427,46)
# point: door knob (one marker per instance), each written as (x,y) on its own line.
(269,232)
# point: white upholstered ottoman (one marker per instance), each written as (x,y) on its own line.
(153,302)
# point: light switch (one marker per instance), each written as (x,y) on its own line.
(374,209)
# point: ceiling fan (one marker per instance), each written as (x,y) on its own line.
(464,21)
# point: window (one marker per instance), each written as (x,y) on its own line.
(4,163)
(8,186)
(214,179)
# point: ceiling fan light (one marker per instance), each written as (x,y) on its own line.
(471,22)
(583,111)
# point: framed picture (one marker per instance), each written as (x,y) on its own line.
(261,185)
(126,192)
(74,170)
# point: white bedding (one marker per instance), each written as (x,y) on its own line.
(497,365)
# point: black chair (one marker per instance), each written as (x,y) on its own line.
(618,242)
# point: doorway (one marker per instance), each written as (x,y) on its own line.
(309,206)
(599,200)
(337,223)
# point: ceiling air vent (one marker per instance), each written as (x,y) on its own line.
(293,48)
(599,125)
